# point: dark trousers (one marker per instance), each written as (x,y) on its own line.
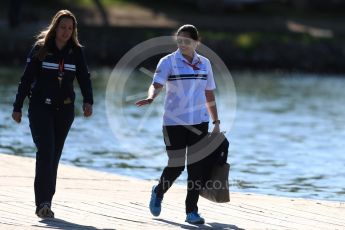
(49,128)
(180,142)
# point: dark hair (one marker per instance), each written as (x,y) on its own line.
(47,35)
(191,30)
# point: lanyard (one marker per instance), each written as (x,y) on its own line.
(61,68)
(194,66)
(61,71)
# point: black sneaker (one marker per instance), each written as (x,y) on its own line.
(44,211)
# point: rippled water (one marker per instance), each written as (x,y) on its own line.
(287,137)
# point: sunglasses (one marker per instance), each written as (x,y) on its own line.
(186,41)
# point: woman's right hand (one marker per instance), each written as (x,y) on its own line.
(17,117)
(144,102)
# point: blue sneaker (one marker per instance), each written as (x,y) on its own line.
(155,203)
(194,218)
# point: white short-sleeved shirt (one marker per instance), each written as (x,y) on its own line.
(185,100)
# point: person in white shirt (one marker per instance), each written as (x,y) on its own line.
(189,100)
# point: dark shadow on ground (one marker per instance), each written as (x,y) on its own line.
(212,225)
(62,224)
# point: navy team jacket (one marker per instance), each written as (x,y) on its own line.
(50,82)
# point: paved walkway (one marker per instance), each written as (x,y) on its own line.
(88,199)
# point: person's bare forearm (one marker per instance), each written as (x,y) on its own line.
(211,105)
(154,90)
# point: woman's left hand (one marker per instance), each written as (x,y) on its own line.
(216,128)
(87,108)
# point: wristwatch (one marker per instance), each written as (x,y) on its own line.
(216,122)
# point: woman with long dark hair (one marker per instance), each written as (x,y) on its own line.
(52,65)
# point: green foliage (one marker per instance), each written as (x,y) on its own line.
(247,41)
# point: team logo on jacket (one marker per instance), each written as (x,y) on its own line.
(48,101)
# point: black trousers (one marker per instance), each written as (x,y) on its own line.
(49,128)
(180,142)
